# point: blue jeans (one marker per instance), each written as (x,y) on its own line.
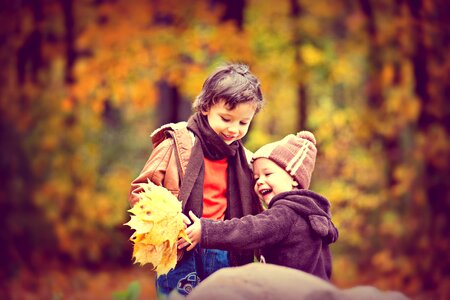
(194,266)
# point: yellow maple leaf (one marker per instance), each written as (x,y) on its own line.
(140,225)
(168,260)
(158,224)
(143,253)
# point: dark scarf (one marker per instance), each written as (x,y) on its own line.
(241,198)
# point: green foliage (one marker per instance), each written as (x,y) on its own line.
(131,293)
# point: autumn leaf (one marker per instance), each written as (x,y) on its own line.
(139,225)
(158,224)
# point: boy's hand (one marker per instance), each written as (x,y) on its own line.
(194,232)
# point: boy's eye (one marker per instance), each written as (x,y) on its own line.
(225,119)
(243,123)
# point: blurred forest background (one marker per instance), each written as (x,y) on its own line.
(83,84)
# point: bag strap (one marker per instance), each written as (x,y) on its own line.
(183,140)
(198,253)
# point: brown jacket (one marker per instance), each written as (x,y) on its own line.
(162,167)
(166,166)
(172,145)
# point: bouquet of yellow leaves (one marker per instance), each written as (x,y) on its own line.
(158,223)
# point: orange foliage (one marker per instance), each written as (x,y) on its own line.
(71,148)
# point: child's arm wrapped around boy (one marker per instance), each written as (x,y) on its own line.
(246,233)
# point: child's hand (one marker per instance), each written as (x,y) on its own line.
(185,220)
(194,232)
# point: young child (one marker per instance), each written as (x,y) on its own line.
(296,229)
(204,164)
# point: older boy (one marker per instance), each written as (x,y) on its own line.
(204,163)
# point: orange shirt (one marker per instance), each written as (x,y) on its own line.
(215,189)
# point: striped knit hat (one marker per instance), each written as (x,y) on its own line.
(295,153)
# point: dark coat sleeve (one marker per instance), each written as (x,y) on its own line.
(248,232)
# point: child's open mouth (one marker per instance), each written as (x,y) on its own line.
(265,191)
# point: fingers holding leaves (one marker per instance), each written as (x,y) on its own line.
(193,217)
(194,232)
(182,243)
(186,220)
(191,246)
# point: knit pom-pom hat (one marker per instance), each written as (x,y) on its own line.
(294,153)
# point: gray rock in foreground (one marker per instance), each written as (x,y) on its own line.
(266,281)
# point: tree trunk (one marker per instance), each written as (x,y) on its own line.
(436,176)
(391,146)
(234,11)
(169,102)
(301,90)
(69,26)
(29,55)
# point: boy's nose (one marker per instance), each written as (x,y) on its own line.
(232,130)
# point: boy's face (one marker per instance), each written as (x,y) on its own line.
(270,179)
(230,125)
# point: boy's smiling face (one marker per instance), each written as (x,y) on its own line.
(230,124)
(271,179)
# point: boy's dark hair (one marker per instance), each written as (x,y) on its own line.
(233,83)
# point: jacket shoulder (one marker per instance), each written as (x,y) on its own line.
(183,141)
(164,131)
